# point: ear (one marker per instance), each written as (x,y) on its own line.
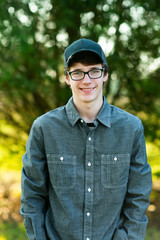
(105,77)
(67,79)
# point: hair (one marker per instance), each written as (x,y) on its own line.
(85,58)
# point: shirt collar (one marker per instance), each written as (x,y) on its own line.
(103,116)
(71,111)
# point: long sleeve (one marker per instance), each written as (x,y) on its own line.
(34,185)
(133,222)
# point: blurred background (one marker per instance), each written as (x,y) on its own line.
(33,36)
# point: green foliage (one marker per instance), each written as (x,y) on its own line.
(154,159)
(10,231)
(152,233)
(34,34)
(11,152)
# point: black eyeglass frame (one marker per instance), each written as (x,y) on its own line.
(84,73)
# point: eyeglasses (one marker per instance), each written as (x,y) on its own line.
(93,74)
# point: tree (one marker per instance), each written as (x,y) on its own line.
(34,34)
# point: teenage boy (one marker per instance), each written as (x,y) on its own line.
(85,174)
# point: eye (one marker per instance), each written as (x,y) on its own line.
(78,73)
(95,71)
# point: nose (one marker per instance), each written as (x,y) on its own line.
(86,78)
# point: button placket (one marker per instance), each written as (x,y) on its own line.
(89,176)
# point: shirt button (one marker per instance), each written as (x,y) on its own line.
(61,158)
(115,159)
(89,138)
(89,164)
(87,238)
(88,214)
(89,190)
(81,121)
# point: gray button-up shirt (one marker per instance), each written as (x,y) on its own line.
(85,183)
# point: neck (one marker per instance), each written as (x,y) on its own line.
(89,110)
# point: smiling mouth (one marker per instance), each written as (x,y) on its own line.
(87,90)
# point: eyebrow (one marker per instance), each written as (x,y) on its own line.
(92,68)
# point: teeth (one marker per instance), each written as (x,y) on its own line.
(87,89)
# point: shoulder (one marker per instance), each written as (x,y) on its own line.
(55,115)
(123,118)
(122,113)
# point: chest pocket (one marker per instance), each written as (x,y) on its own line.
(115,170)
(62,170)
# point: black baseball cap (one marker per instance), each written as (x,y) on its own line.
(83,45)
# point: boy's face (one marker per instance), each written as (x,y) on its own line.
(86,90)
